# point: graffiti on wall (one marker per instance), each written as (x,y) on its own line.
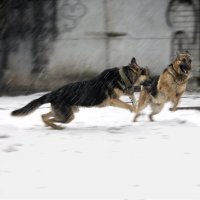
(183,18)
(70,12)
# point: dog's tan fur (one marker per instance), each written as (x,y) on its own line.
(170,87)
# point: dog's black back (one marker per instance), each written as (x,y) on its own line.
(83,93)
(87,93)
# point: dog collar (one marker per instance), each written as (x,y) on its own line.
(124,78)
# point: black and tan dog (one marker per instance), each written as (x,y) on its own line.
(103,90)
(169,86)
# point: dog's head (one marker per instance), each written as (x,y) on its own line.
(141,73)
(182,64)
(144,75)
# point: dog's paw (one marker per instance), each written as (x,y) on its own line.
(134,119)
(136,116)
(173,109)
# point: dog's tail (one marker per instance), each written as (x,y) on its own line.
(32,106)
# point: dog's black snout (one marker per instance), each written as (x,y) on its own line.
(185,67)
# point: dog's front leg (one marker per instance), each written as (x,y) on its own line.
(174,108)
(120,104)
(175,102)
(143,102)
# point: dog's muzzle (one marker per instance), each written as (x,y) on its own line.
(185,68)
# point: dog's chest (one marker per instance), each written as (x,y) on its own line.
(168,89)
(175,91)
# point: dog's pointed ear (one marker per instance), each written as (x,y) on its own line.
(133,61)
(187,52)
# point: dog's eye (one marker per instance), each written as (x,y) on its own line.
(184,60)
(189,60)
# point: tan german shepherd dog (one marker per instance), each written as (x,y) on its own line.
(169,86)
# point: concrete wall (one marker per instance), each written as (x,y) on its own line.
(93,35)
(148,36)
(87,47)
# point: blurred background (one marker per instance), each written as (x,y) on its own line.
(47,43)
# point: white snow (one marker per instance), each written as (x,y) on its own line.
(102,154)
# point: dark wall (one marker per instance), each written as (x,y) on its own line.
(31,20)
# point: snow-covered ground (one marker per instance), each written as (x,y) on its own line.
(102,154)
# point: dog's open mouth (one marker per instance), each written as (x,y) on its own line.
(184,68)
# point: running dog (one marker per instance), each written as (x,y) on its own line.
(169,86)
(103,90)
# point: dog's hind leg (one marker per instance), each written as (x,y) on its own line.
(62,114)
(49,121)
(156,108)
